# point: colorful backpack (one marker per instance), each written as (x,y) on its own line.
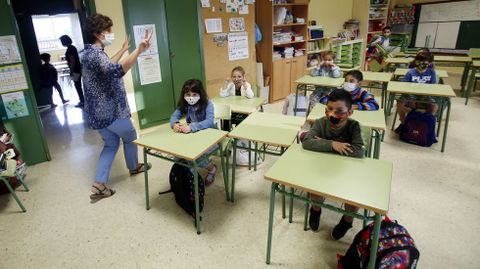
(182,185)
(419,129)
(396,248)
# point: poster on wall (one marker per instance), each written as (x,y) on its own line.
(213,25)
(237,46)
(205,3)
(237,24)
(15,104)
(232,6)
(149,69)
(9,52)
(12,78)
(140,32)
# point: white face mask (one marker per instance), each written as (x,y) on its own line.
(349,87)
(191,100)
(109,38)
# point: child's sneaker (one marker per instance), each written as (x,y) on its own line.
(341,229)
(211,176)
(314,219)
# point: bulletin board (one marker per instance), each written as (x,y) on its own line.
(216,57)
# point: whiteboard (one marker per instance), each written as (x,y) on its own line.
(452,11)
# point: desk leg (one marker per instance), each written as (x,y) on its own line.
(296,97)
(255,156)
(225,171)
(470,85)
(290,211)
(249,155)
(465,76)
(234,166)
(270,220)
(365,215)
(384,95)
(374,247)
(449,105)
(284,215)
(378,140)
(145,173)
(307,207)
(197,200)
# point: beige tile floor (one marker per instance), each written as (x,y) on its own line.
(435,195)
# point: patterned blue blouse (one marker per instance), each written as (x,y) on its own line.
(105,95)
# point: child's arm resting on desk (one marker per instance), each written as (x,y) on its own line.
(357,146)
(209,121)
(313,142)
(175,118)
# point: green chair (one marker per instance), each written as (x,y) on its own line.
(224,112)
(10,171)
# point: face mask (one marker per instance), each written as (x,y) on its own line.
(109,38)
(349,87)
(422,66)
(334,120)
(191,100)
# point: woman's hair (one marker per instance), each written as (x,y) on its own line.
(239,69)
(95,25)
(66,40)
(196,86)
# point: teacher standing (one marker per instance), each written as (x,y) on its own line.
(106,104)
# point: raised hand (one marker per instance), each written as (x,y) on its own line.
(145,44)
(126,43)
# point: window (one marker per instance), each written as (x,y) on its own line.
(49,28)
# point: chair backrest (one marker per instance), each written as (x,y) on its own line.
(375,66)
(223,112)
(11,165)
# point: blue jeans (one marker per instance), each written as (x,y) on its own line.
(121,128)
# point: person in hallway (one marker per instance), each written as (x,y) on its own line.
(106,104)
(71,56)
(49,79)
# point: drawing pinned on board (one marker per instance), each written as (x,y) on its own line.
(15,104)
(9,50)
(205,3)
(12,78)
(232,6)
(237,24)
(243,9)
(237,46)
(213,25)
(220,39)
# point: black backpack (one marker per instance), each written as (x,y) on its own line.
(396,248)
(182,185)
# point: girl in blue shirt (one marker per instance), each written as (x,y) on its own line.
(195,105)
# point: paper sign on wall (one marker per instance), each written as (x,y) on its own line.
(149,69)
(9,50)
(139,35)
(15,104)
(213,25)
(205,3)
(237,24)
(237,46)
(12,78)
(232,6)
(243,9)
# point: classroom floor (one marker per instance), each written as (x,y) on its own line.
(435,195)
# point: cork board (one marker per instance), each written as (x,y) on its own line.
(217,64)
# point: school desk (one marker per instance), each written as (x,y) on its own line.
(168,145)
(304,82)
(266,128)
(364,183)
(473,77)
(378,77)
(374,120)
(397,61)
(401,72)
(440,91)
(241,104)
(465,60)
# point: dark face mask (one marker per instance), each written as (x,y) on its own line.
(334,120)
(422,66)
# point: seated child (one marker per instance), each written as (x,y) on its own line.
(300,109)
(199,110)
(325,68)
(335,132)
(383,41)
(424,50)
(361,99)
(421,73)
(236,85)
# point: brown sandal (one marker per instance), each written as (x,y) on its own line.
(100,194)
(140,169)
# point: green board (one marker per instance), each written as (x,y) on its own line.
(28,130)
(468,35)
